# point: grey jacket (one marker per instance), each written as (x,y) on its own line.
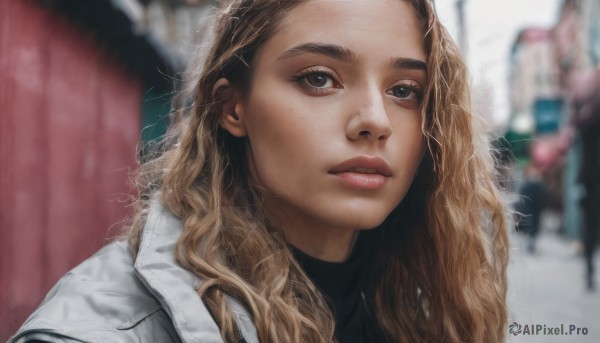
(112,297)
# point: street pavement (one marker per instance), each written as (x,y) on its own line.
(548,288)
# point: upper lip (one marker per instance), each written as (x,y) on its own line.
(373,164)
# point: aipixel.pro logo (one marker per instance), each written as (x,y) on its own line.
(516,329)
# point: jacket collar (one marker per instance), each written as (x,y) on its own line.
(175,287)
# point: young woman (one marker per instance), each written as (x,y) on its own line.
(328,184)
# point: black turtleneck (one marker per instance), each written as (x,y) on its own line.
(346,286)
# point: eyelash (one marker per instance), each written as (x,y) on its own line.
(301,79)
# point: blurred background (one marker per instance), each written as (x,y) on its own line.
(82,83)
(535,76)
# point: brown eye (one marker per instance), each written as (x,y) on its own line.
(318,80)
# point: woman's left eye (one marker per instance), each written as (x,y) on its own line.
(405,92)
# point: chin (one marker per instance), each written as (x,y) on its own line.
(364,219)
(369,224)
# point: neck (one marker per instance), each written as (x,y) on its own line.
(313,237)
(333,245)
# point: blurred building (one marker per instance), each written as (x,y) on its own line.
(535,94)
(79,81)
(534,73)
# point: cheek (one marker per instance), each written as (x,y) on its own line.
(282,141)
(284,127)
(409,145)
(407,133)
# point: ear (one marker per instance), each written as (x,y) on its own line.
(229,108)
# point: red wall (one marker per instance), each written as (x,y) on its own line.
(69,125)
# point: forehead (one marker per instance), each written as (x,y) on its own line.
(372,29)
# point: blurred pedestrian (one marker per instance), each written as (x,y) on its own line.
(590,202)
(587,120)
(532,200)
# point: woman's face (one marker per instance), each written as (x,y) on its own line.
(333,114)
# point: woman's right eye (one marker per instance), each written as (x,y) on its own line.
(318,80)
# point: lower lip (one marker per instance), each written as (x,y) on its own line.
(362,180)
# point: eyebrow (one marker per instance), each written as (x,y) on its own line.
(409,63)
(330,50)
(345,55)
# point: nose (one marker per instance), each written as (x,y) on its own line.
(369,119)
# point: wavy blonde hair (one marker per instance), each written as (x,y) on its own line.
(441,254)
